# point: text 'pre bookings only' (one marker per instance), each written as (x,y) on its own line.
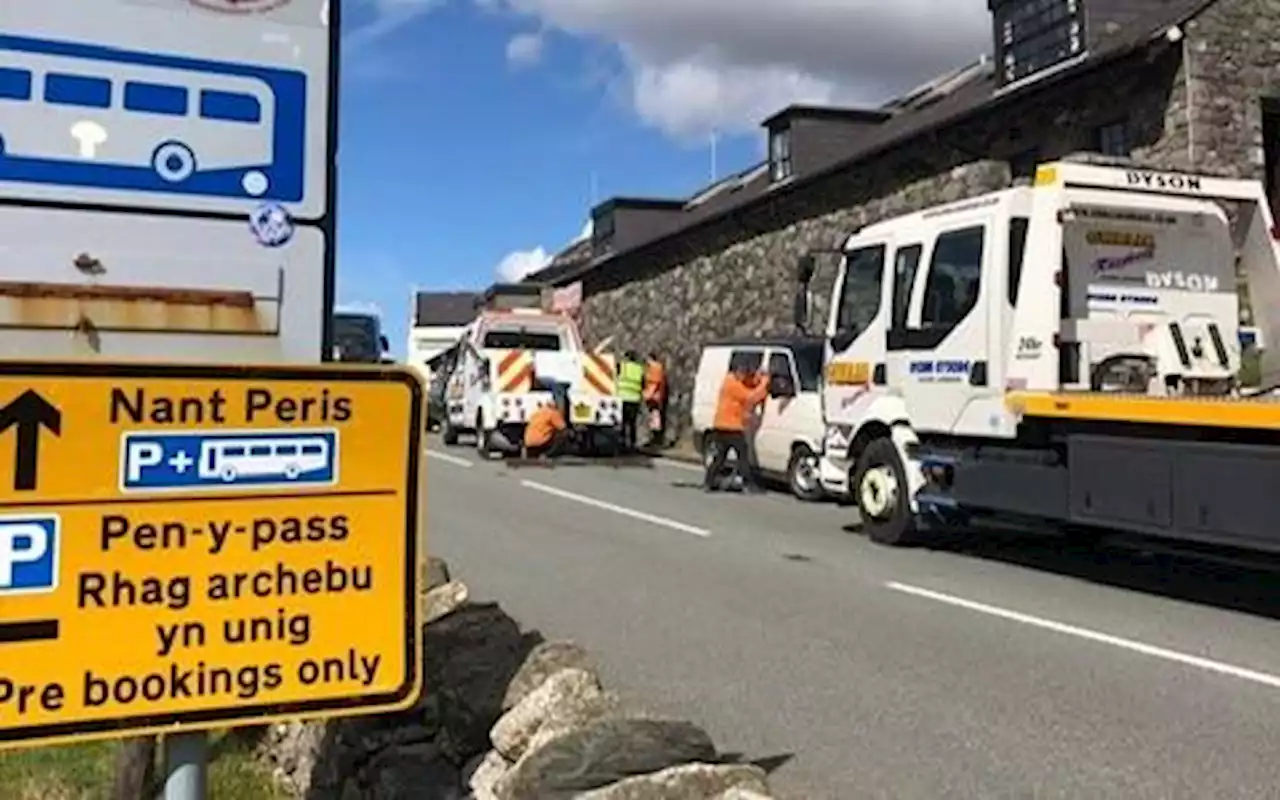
(205,546)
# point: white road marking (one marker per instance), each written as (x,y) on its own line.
(457,461)
(1243,673)
(671,462)
(623,510)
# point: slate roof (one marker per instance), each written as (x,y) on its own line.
(1115,28)
(444,308)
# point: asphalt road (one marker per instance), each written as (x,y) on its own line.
(999,667)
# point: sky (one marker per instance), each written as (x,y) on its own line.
(475,135)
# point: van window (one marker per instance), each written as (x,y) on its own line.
(809,357)
(748,360)
(780,366)
(1017,248)
(860,295)
(955,277)
(906,262)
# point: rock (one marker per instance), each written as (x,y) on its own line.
(291,751)
(739,793)
(411,772)
(568,687)
(601,753)
(469,658)
(444,600)
(486,774)
(544,661)
(685,782)
(435,572)
(570,716)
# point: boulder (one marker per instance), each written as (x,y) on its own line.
(544,661)
(603,752)
(568,695)
(443,600)
(484,774)
(685,782)
(411,772)
(469,658)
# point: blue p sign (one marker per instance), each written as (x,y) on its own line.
(28,554)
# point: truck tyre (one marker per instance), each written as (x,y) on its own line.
(802,475)
(880,490)
(484,446)
(449,434)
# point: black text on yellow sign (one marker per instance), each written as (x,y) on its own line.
(205,546)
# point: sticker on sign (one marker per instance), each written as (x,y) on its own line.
(186,546)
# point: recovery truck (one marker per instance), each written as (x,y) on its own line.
(1065,352)
(516,355)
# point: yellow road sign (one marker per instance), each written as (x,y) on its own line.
(187,547)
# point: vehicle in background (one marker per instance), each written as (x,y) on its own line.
(437,323)
(788,434)
(439,369)
(515,356)
(358,338)
(1066,353)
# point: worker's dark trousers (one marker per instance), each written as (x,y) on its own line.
(723,441)
(630,424)
(551,449)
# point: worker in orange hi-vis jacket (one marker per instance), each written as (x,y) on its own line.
(742,391)
(545,434)
(655,398)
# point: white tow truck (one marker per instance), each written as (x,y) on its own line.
(1064,352)
(516,355)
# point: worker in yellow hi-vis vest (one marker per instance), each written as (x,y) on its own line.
(630,392)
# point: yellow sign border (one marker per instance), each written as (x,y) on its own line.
(410,690)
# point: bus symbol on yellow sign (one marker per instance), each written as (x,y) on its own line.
(195,547)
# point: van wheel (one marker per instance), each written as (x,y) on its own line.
(880,490)
(803,476)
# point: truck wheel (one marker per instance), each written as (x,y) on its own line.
(880,490)
(449,434)
(802,475)
(484,445)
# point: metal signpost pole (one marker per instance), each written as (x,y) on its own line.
(186,765)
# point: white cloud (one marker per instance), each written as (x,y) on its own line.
(388,16)
(695,66)
(516,265)
(524,49)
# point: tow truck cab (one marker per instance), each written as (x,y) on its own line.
(1066,352)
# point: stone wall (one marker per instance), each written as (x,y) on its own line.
(735,277)
(505,716)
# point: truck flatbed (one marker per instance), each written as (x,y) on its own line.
(1262,413)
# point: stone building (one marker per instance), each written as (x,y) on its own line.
(1173,84)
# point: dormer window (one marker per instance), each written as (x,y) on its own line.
(602,230)
(780,166)
(1033,35)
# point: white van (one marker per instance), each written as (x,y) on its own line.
(788,432)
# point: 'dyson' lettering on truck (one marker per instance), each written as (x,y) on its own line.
(1191,281)
(1160,180)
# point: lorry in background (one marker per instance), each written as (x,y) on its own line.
(1063,353)
(516,355)
(358,338)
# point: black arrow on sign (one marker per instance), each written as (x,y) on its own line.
(29,412)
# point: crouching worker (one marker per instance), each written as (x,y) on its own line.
(545,434)
(742,391)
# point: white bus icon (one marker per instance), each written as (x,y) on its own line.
(258,457)
(175,123)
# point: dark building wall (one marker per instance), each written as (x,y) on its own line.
(736,276)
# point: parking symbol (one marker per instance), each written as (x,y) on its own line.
(29,553)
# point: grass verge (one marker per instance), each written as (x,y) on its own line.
(86,771)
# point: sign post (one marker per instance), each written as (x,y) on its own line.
(194,547)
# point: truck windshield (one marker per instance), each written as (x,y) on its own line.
(356,338)
(521,340)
